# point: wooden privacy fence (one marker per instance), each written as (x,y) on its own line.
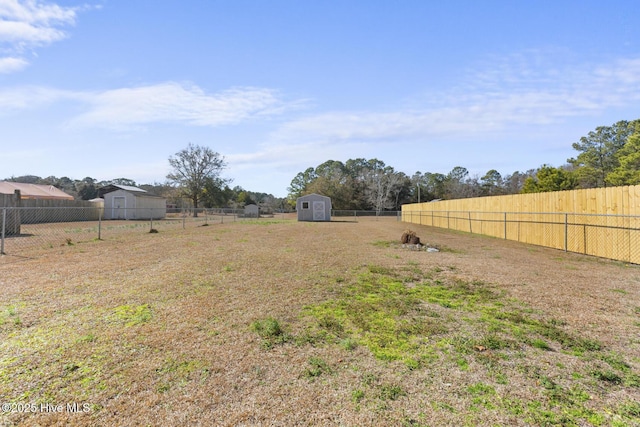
(603,222)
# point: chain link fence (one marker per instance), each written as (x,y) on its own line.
(608,236)
(346,214)
(27,230)
(24,231)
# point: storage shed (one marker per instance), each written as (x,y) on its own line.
(314,207)
(127,202)
(251,211)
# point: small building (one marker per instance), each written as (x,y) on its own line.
(127,202)
(44,204)
(251,211)
(313,207)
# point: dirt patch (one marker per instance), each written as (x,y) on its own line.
(208,327)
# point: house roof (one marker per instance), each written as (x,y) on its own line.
(115,187)
(34,191)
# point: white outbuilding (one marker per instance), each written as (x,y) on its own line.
(313,207)
(252,211)
(127,202)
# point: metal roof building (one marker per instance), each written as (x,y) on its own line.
(126,202)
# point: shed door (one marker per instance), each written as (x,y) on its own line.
(319,213)
(119,206)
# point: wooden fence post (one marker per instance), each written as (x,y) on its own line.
(566,232)
(505,226)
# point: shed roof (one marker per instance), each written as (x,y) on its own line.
(115,187)
(135,191)
(313,195)
(34,191)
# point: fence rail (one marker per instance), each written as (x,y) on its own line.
(608,236)
(361,213)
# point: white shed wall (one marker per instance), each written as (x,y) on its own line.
(149,207)
(121,204)
(252,211)
(313,207)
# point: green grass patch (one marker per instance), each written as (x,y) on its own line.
(133,315)
(630,409)
(391,392)
(357,395)
(421,318)
(317,367)
(541,344)
(271,332)
(482,395)
(178,373)
(379,312)
(10,317)
(384,243)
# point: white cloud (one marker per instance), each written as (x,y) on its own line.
(11,64)
(506,98)
(33,22)
(28,24)
(122,109)
(133,108)
(505,106)
(30,97)
(22,34)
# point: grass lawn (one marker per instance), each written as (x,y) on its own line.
(278,322)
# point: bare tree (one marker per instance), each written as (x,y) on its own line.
(380,185)
(194,168)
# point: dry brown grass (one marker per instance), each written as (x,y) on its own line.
(156,329)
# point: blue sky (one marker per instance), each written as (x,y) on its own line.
(112,88)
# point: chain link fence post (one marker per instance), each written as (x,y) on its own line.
(4,222)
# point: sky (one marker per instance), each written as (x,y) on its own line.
(112,88)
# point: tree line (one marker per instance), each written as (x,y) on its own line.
(369,184)
(87,189)
(194,181)
(607,156)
